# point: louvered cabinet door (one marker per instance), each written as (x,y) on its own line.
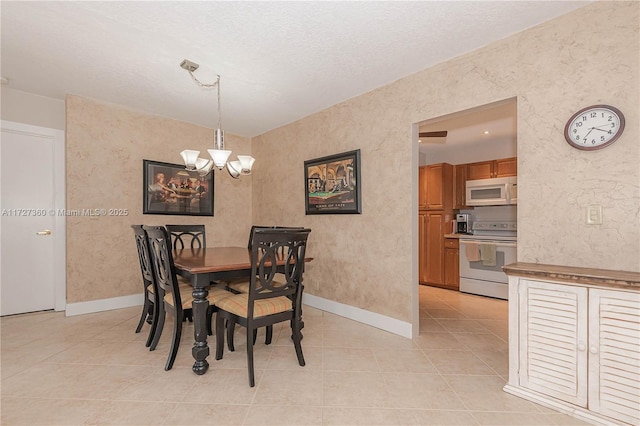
(553,340)
(614,354)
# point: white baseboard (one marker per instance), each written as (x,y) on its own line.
(383,322)
(100,305)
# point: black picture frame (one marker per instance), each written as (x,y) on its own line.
(332,184)
(177,192)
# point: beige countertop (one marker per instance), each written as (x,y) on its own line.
(455,235)
(576,275)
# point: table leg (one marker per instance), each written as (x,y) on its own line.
(200,349)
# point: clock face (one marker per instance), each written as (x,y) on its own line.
(594,127)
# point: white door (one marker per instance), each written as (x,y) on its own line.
(31,228)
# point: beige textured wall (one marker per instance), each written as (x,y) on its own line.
(105,148)
(587,57)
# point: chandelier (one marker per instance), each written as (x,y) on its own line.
(219,156)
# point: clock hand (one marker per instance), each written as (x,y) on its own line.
(602,130)
(604,125)
(584,140)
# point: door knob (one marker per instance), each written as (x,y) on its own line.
(45,232)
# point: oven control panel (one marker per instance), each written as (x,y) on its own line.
(495,226)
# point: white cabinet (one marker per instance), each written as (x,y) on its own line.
(576,348)
(553,340)
(614,354)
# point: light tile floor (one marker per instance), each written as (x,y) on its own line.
(93,369)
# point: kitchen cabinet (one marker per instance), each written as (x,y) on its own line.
(506,167)
(459,187)
(452,263)
(436,187)
(422,246)
(422,188)
(436,212)
(575,346)
(433,226)
(434,248)
(503,167)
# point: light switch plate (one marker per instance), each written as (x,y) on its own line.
(594,215)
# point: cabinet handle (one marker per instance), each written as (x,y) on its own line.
(582,347)
(593,350)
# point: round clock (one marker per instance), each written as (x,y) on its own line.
(594,127)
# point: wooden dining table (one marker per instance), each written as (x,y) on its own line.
(203,266)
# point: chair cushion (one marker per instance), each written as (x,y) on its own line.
(216,294)
(238,304)
(243,286)
(240,286)
(181,284)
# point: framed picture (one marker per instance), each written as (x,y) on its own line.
(332,184)
(170,189)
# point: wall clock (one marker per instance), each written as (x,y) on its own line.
(594,127)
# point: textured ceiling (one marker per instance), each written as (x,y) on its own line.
(278,61)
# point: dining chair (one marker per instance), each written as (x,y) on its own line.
(275,292)
(175,298)
(182,236)
(241,285)
(151,302)
(187,236)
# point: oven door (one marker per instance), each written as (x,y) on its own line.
(480,275)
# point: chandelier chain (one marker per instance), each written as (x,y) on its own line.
(219,110)
(210,86)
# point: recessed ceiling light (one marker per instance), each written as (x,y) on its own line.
(419,140)
(486,132)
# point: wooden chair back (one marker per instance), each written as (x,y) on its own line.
(162,262)
(182,236)
(269,246)
(143,256)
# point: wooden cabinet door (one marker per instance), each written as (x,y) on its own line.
(422,247)
(481,170)
(434,262)
(459,188)
(439,186)
(434,187)
(503,167)
(553,340)
(451,264)
(506,167)
(614,351)
(422,187)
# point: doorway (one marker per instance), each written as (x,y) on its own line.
(477,135)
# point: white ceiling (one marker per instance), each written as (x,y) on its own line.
(496,123)
(278,61)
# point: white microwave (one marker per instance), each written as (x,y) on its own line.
(492,192)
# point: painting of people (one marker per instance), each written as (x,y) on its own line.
(171,189)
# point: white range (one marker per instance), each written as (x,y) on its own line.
(482,256)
